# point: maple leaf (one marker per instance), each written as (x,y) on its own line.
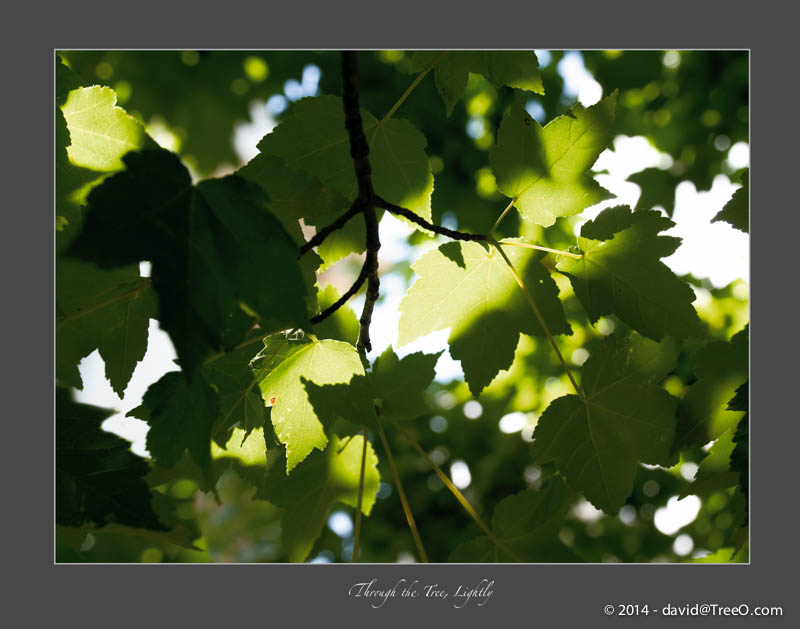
(514,68)
(282,368)
(720,367)
(737,210)
(482,305)
(544,170)
(98,478)
(620,272)
(213,247)
(313,139)
(526,524)
(597,441)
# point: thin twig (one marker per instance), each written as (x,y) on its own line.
(450,233)
(354,558)
(344,298)
(326,231)
(403,500)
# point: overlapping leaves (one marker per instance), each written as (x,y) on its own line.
(514,68)
(309,493)
(213,246)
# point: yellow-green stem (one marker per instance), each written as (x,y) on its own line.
(403,500)
(540,318)
(360,500)
(501,217)
(540,248)
(411,88)
(454,490)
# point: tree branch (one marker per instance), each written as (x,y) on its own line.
(359,151)
(450,233)
(323,233)
(344,298)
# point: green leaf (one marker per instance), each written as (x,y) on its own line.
(107,310)
(213,247)
(309,494)
(621,273)
(241,405)
(394,386)
(715,471)
(658,188)
(98,478)
(703,415)
(740,456)
(101,132)
(399,383)
(514,68)
(285,365)
(181,414)
(313,139)
(292,194)
(527,523)
(626,418)
(558,184)
(481,304)
(737,210)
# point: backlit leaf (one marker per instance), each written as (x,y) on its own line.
(558,184)
(481,304)
(283,366)
(621,273)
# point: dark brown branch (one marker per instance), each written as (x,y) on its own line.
(359,151)
(450,233)
(362,277)
(326,231)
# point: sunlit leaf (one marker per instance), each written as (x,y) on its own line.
(283,366)
(558,185)
(621,273)
(481,304)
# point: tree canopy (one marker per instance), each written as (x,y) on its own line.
(411,318)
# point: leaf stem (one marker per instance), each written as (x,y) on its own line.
(501,217)
(354,558)
(411,88)
(454,490)
(540,318)
(403,500)
(540,248)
